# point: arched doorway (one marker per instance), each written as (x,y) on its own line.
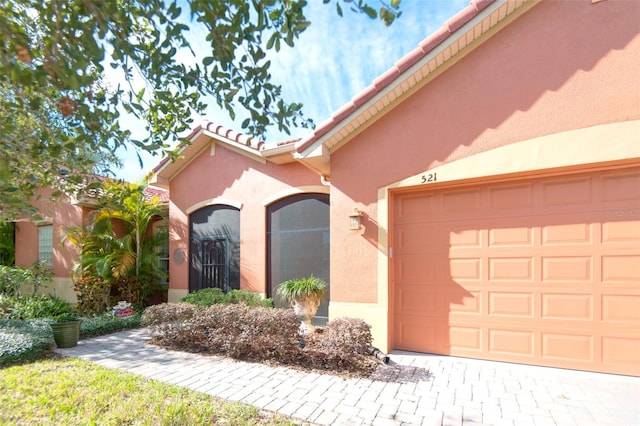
(298,244)
(214,241)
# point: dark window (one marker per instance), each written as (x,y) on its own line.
(214,234)
(298,243)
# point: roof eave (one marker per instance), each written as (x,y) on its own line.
(460,35)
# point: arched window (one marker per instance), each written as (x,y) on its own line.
(298,243)
(214,246)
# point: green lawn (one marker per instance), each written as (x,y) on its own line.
(68,391)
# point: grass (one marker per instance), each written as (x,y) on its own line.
(67,391)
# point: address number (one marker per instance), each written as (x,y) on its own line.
(430,177)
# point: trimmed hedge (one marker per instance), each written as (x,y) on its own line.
(106,324)
(262,334)
(32,307)
(214,296)
(23,340)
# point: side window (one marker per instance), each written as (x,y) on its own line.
(163,250)
(45,244)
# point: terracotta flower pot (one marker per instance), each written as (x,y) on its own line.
(305,309)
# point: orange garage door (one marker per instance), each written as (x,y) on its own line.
(543,271)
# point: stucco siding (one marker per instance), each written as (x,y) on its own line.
(561,66)
(222,176)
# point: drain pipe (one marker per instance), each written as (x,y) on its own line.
(378,354)
(325,180)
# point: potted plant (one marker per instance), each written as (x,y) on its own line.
(66,329)
(305,295)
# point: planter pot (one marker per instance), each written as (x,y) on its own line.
(66,334)
(305,309)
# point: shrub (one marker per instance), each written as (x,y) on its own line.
(23,340)
(213,296)
(343,345)
(107,323)
(27,307)
(93,295)
(235,330)
(204,297)
(136,290)
(247,298)
(262,334)
(11,279)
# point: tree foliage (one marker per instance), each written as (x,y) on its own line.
(59,117)
(117,242)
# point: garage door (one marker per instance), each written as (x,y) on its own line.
(543,271)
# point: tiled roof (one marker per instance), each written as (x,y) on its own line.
(426,46)
(163,195)
(458,35)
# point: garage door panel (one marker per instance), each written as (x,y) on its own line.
(411,268)
(567,306)
(621,187)
(458,203)
(544,271)
(565,192)
(511,237)
(511,197)
(512,269)
(465,338)
(511,304)
(620,353)
(569,233)
(465,269)
(568,347)
(621,308)
(621,232)
(470,303)
(416,299)
(620,269)
(575,269)
(419,239)
(467,238)
(511,342)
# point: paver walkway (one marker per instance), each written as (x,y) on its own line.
(416,389)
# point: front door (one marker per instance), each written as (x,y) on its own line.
(215,264)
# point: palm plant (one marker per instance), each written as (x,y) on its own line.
(117,243)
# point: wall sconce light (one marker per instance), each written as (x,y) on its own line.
(355,220)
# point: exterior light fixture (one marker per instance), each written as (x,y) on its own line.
(355,220)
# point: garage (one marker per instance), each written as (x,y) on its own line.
(542,271)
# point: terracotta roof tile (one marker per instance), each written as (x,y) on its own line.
(388,77)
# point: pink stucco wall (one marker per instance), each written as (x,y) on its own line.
(562,65)
(232,176)
(63,216)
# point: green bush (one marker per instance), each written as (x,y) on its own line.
(135,290)
(23,340)
(27,307)
(12,278)
(93,295)
(107,323)
(214,296)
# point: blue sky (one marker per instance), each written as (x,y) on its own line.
(332,61)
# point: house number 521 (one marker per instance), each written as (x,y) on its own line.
(429,177)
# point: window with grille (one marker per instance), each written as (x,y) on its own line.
(45,244)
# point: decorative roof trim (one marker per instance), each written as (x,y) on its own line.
(414,70)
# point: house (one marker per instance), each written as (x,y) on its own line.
(495,173)
(41,240)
